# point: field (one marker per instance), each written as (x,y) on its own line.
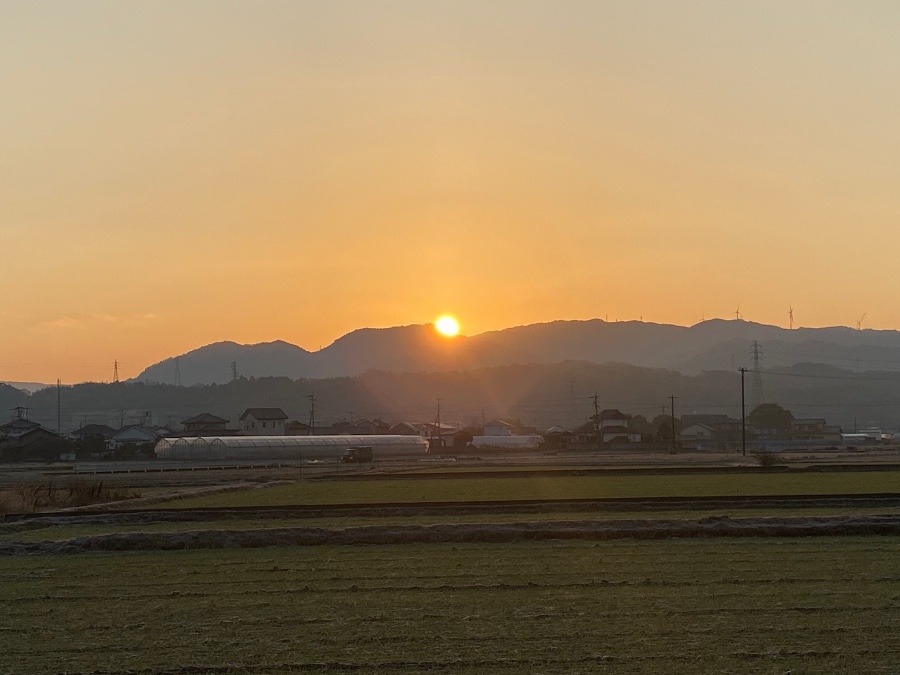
(447,584)
(486,488)
(820,605)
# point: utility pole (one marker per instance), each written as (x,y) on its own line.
(743,416)
(58,415)
(311,431)
(672,399)
(596,419)
(440,442)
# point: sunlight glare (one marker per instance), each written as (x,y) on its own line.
(447,325)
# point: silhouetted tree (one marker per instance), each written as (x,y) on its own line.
(770,416)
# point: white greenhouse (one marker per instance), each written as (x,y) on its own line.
(243,448)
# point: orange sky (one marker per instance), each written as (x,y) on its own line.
(172,174)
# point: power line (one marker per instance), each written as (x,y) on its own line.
(849,378)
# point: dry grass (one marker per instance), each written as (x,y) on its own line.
(52,495)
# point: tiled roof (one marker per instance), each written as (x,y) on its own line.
(205,418)
(265,413)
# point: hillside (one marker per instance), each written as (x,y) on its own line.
(710,345)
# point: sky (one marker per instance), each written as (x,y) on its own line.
(178,173)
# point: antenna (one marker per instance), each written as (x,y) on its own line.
(860,320)
(790,317)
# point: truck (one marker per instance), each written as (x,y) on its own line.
(358,455)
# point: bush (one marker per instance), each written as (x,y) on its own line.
(766,458)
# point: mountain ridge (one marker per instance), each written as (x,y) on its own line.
(715,344)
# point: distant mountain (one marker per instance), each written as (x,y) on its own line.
(212,364)
(710,345)
(28,386)
(11,398)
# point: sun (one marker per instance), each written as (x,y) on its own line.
(447,325)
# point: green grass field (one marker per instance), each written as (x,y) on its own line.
(550,487)
(817,605)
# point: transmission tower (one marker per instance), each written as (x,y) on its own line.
(177,371)
(756,353)
(573,421)
(234,375)
(116,371)
(312,415)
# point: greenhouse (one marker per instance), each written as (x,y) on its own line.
(286,447)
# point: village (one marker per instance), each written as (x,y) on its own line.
(768,427)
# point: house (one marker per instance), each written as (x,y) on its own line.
(18,427)
(619,434)
(438,436)
(404,429)
(814,429)
(726,432)
(464,436)
(708,420)
(698,434)
(498,428)
(93,439)
(613,427)
(263,422)
(205,424)
(360,427)
(135,435)
(88,432)
(36,444)
(296,428)
(557,438)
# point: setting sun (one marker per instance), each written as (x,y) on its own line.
(447,325)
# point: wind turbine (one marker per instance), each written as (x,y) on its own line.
(737,313)
(859,323)
(791,317)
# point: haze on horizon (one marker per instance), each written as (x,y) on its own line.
(174,174)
